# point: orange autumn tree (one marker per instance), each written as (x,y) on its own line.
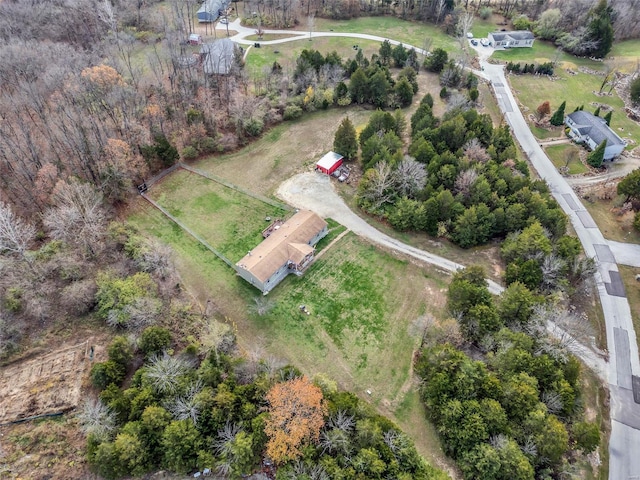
(296,415)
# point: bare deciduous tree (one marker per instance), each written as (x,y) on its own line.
(97,419)
(474,151)
(262,305)
(410,177)
(552,268)
(465,24)
(186,407)
(164,371)
(464,181)
(378,189)
(15,234)
(78,217)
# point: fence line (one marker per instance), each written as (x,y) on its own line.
(230,185)
(190,232)
(155,179)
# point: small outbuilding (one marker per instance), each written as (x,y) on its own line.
(289,248)
(195,39)
(330,163)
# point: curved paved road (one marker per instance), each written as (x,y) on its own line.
(624,364)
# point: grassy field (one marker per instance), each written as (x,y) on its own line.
(559,154)
(230,221)
(410,33)
(262,165)
(287,53)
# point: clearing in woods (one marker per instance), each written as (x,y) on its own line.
(44,384)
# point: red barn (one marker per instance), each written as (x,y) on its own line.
(329,163)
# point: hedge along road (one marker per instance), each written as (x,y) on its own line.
(624,365)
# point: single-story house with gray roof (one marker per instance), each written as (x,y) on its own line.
(517,38)
(586,128)
(289,248)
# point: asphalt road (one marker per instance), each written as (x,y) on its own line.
(624,444)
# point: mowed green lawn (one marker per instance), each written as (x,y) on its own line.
(287,53)
(542,52)
(559,154)
(410,33)
(228,220)
(362,302)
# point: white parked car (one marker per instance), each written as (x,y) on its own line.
(469,35)
(224,20)
(484,42)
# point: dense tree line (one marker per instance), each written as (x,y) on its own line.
(187,411)
(514,409)
(468,187)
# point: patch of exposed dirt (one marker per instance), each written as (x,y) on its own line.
(45,383)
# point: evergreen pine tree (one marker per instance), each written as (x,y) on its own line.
(597,112)
(345,142)
(600,29)
(596,157)
(557,118)
(607,117)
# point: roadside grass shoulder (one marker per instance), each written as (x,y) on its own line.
(628,275)
(613,227)
(559,154)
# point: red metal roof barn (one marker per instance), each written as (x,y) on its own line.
(329,163)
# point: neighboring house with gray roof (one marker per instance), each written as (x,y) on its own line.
(586,128)
(218,56)
(211,10)
(518,38)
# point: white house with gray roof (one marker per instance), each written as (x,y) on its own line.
(517,38)
(586,128)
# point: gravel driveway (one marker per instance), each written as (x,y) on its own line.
(314,191)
